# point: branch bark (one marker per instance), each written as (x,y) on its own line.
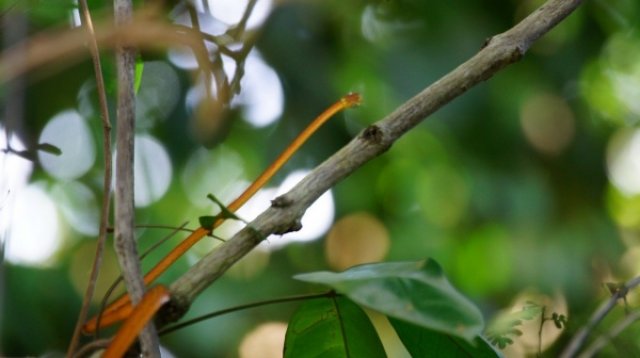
(125,244)
(285,212)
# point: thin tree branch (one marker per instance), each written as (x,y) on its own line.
(603,340)
(106,184)
(216,66)
(240,27)
(124,243)
(207,316)
(118,280)
(579,339)
(91,347)
(285,212)
(155,226)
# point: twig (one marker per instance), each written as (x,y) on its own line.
(124,243)
(579,339)
(603,340)
(240,27)
(106,183)
(115,284)
(155,226)
(286,211)
(542,321)
(92,347)
(193,15)
(207,316)
(221,41)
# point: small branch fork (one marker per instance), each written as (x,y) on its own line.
(285,213)
(498,52)
(579,339)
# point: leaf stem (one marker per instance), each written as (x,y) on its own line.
(106,185)
(207,316)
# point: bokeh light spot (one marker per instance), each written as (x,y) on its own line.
(262,96)
(78,206)
(531,338)
(396,186)
(548,123)
(152,170)
(611,84)
(379,24)
(356,239)
(158,94)
(231,11)
(443,195)
(80,265)
(264,341)
(623,161)
(624,209)
(488,254)
(34,235)
(69,132)
(15,175)
(218,171)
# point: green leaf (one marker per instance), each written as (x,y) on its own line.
(415,292)
(138,73)
(503,326)
(331,327)
(207,222)
(225,213)
(49,148)
(424,342)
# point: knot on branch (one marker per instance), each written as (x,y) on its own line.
(295,225)
(372,134)
(282,201)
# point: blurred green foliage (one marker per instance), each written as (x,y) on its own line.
(467,187)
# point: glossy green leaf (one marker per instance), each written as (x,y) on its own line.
(417,292)
(331,327)
(424,342)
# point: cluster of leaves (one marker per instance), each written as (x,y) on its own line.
(559,320)
(429,315)
(504,328)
